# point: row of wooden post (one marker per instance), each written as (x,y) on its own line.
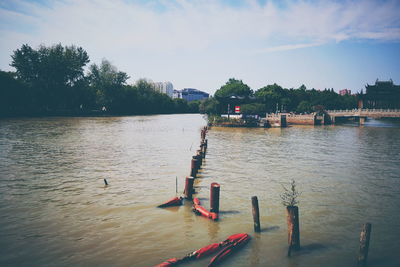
(195,165)
(197,161)
(294,231)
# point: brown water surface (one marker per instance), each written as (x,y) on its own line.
(56,211)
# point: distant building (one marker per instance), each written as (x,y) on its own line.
(191,94)
(164,88)
(384,94)
(177,94)
(345,92)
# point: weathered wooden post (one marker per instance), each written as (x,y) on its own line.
(293,228)
(214,197)
(364,245)
(189,187)
(193,167)
(203,132)
(199,159)
(256,214)
(282,120)
(202,148)
(200,153)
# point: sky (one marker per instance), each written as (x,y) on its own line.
(202,43)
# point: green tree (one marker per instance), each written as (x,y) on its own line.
(233,87)
(209,106)
(108,84)
(14,97)
(53,73)
(193,106)
(254,109)
(181,105)
(271,96)
(304,107)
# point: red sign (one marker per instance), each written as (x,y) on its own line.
(237,109)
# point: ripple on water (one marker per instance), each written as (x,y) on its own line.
(55,208)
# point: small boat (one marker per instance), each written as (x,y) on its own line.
(225,247)
(176,201)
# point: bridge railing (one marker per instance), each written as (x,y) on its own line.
(288,115)
(363,110)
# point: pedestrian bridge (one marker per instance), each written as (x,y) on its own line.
(371,113)
(329,117)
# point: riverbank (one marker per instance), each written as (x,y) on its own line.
(79,113)
(322,118)
(233,121)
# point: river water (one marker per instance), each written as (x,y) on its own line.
(56,211)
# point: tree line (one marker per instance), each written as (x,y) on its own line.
(274,98)
(53,81)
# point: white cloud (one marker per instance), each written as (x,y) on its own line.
(133,32)
(205,23)
(287,47)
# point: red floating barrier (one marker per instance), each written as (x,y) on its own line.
(202,211)
(228,246)
(223,254)
(168,263)
(176,201)
(196,201)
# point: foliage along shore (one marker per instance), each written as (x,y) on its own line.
(51,81)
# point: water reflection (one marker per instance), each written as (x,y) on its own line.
(213,230)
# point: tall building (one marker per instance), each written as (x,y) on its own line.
(191,94)
(345,92)
(164,88)
(383,94)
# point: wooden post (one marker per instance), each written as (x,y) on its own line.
(256,214)
(199,161)
(293,228)
(200,154)
(193,167)
(189,187)
(282,120)
(202,147)
(214,197)
(364,245)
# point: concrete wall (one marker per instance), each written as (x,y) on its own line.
(301,119)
